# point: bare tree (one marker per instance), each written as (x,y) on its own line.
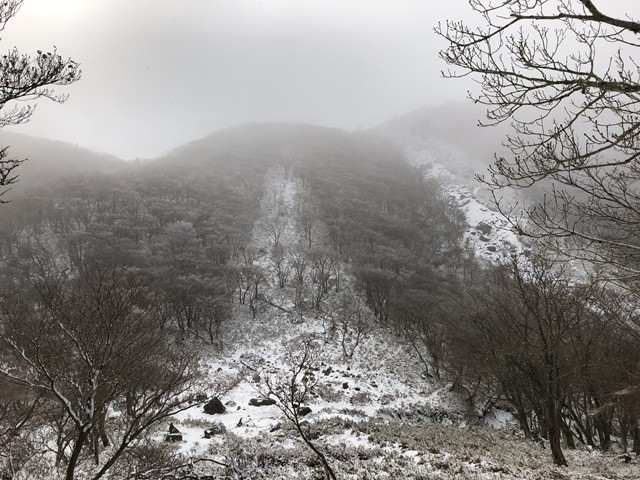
(274,227)
(564,74)
(298,261)
(292,387)
(25,78)
(279,261)
(307,222)
(94,344)
(352,324)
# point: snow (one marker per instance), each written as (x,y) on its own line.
(384,379)
(489,246)
(391,421)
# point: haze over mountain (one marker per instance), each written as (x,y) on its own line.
(49,160)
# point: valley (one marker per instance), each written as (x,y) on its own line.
(318,269)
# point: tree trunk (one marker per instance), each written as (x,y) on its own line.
(568,434)
(524,423)
(75,454)
(554,420)
(636,439)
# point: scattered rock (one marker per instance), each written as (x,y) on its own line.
(483,238)
(302,411)
(261,402)
(345,385)
(484,228)
(357,389)
(216,429)
(214,407)
(275,428)
(174,434)
(491,248)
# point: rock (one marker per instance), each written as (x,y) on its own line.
(261,402)
(275,428)
(216,429)
(214,407)
(302,411)
(491,248)
(173,437)
(483,238)
(484,228)
(174,434)
(357,389)
(345,385)
(328,371)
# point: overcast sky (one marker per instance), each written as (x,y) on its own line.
(159,73)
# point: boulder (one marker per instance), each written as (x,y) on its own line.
(214,407)
(216,429)
(275,428)
(174,434)
(302,411)
(484,228)
(261,402)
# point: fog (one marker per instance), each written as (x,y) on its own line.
(159,73)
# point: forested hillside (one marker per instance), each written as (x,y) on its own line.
(268,273)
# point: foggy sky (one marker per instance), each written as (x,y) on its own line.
(159,73)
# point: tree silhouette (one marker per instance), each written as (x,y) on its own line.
(26,78)
(563,74)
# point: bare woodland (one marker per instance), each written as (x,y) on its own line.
(115,291)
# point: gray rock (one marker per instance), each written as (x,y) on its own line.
(261,402)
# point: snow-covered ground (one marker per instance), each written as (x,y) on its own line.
(488,233)
(375,415)
(382,380)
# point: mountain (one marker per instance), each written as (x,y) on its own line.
(50,160)
(286,144)
(452,133)
(316,283)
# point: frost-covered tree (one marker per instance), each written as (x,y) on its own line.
(93,345)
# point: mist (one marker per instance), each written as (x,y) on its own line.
(157,74)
